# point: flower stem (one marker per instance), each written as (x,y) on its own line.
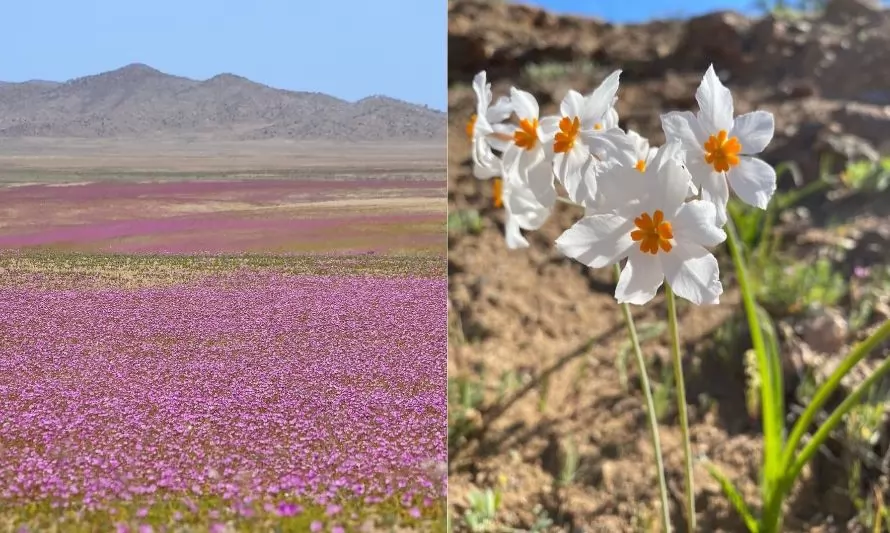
(771,389)
(650,411)
(681,405)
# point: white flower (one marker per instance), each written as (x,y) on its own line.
(523,211)
(649,222)
(642,153)
(526,154)
(639,152)
(486,131)
(718,147)
(586,125)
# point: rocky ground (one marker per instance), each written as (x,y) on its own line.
(573,445)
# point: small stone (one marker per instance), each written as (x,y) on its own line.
(611,472)
(825,331)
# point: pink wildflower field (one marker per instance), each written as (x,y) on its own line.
(165,393)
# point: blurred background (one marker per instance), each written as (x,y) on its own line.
(546,426)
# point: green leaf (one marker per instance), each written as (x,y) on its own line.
(734,497)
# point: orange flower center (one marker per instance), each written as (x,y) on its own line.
(497,193)
(722,153)
(471,125)
(641,165)
(568,132)
(597,126)
(653,233)
(526,136)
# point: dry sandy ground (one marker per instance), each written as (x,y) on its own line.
(184,155)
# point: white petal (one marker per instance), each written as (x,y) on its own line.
(587,192)
(501,137)
(714,189)
(511,163)
(640,279)
(611,119)
(650,155)
(692,273)
(665,181)
(538,178)
(549,127)
(524,104)
(622,188)
(670,186)
(754,130)
(607,144)
(669,153)
(513,235)
(572,105)
(567,168)
(698,167)
(599,102)
(715,103)
(485,164)
(483,93)
(683,126)
(522,207)
(753,181)
(597,240)
(500,111)
(696,222)
(641,146)
(481,127)
(484,173)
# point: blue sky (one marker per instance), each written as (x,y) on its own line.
(642,10)
(624,11)
(346,48)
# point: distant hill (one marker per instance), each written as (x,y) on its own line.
(139,101)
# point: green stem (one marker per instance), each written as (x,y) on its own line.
(793,466)
(681,405)
(650,411)
(771,385)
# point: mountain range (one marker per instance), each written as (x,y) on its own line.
(140,101)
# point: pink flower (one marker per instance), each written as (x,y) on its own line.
(333,509)
(288,509)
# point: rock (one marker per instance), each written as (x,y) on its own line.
(868,121)
(843,149)
(841,11)
(465,54)
(699,46)
(825,331)
(799,89)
